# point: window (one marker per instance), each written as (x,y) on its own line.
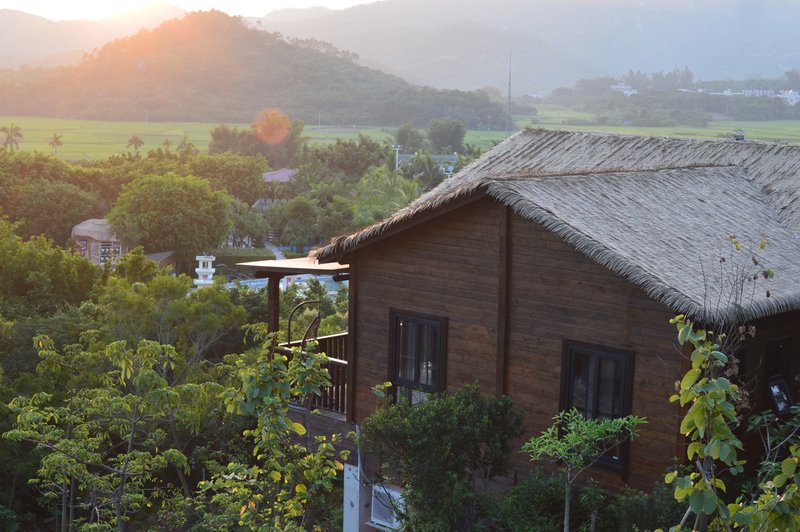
(596,380)
(417,346)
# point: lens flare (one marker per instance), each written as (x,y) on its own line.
(271,126)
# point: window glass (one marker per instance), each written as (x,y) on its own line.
(596,381)
(417,357)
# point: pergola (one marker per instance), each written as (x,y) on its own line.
(275,270)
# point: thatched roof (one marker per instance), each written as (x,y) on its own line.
(657,211)
(95,228)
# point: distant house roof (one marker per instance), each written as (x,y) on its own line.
(283,175)
(657,211)
(95,228)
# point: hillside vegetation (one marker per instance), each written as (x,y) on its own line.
(211,67)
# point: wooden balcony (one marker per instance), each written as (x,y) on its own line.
(334,398)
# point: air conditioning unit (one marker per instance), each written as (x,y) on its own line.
(385,502)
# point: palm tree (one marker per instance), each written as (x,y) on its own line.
(13,136)
(56,143)
(135,141)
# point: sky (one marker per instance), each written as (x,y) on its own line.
(100,9)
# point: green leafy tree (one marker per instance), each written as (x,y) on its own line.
(52,209)
(249,225)
(278,491)
(443,452)
(575,443)
(412,139)
(13,135)
(238,175)
(171,212)
(713,449)
(447,136)
(103,449)
(135,267)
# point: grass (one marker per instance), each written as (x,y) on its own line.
(91,139)
(552,117)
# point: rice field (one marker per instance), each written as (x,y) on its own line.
(91,139)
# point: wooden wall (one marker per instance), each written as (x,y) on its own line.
(444,267)
(558,293)
(452,266)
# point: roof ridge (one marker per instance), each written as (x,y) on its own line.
(606,171)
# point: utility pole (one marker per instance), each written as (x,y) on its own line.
(508,110)
(397,148)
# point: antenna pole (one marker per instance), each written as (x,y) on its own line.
(508,110)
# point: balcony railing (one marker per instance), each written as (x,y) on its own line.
(334,397)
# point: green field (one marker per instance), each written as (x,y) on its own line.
(90,139)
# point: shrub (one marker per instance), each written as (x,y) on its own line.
(442,452)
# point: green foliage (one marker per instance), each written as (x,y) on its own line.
(171,212)
(777,433)
(37,277)
(238,175)
(412,140)
(447,136)
(707,424)
(443,452)
(66,206)
(574,443)
(287,477)
(103,447)
(713,448)
(13,135)
(135,267)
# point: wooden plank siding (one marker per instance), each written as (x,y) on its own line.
(510,289)
(558,293)
(444,267)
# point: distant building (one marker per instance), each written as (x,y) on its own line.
(624,88)
(95,240)
(284,175)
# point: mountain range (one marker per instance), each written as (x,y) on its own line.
(211,67)
(471,44)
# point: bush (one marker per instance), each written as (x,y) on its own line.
(443,451)
(537,503)
(636,510)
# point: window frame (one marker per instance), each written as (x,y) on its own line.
(440,377)
(623,356)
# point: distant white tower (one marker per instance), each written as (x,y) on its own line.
(205,270)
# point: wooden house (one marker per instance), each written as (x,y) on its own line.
(548,270)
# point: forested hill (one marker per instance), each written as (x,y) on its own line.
(211,67)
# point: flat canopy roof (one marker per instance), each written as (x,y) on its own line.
(294,266)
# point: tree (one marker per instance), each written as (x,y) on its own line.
(238,175)
(102,447)
(278,491)
(575,443)
(136,142)
(232,139)
(53,208)
(410,138)
(447,136)
(248,225)
(713,447)
(55,143)
(171,212)
(13,135)
(443,452)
